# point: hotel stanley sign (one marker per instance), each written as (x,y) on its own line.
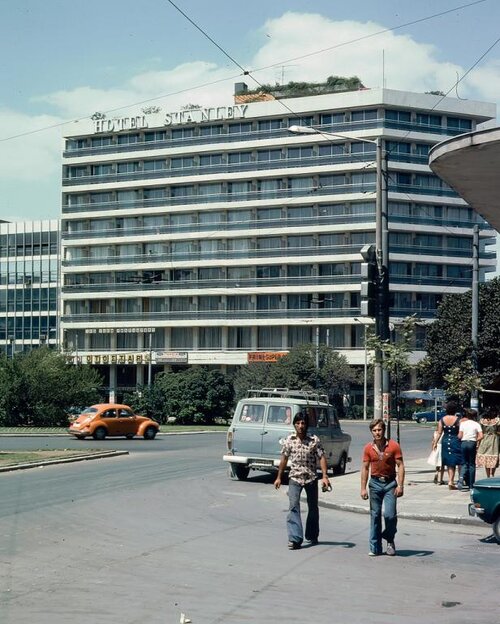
(158,120)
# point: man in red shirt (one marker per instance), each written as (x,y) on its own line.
(383,462)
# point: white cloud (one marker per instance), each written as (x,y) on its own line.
(409,65)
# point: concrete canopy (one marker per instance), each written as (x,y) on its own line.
(470,164)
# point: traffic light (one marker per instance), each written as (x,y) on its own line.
(369,282)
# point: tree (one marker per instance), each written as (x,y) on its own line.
(198,395)
(38,388)
(449,339)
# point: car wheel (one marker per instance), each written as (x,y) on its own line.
(99,433)
(422,419)
(340,468)
(129,436)
(238,472)
(150,433)
(496,528)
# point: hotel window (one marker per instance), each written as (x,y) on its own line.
(301,121)
(298,335)
(327,240)
(209,189)
(362,238)
(268,302)
(399,209)
(299,302)
(236,216)
(239,188)
(211,246)
(269,337)
(362,148)
(397,147)
(301,183)
(299,270)
(182,133)
(300,212)
(155,249)
(332,210)
(208,160)
(126,196)
(239,273)
(181,338)
(332,180)
(183,275)
(182,191)
(457,271)
(155,193)
(240,128)
(459,242)
(158,135)
(185,162)
(401,239)
(127,167)
(456,123)
(424,119)
(427,210)
(210,217)
(401,269)
(155,220)
(331,118)
(364,115)
(269,185)
(366,177)
(270,154)
(183,247)
(235,158)
(239,244)
(396,115)
(127,139)
(422,149)
(270,124)
(77,199)
(76,144)
(209,303)
(182,218)
(428,270)
(337,268)
(271,242)
(239,337)
(126,341)
(105,169)
(428,240)
(332,149)
(180,304)
(300,152)
(267,272)
(362,208)
(210,337)
(239,302)
(268,214)
(211,273)
(155,165)
(77,172)
(303,241)
(333,336)
(211,130)
(400,300)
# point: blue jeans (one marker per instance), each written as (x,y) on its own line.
(382,495)
(468,469)
(293,519)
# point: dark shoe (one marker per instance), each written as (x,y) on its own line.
(294,545)
(440,482)
(391,549)
(312,542)
(452,486)
(435,479)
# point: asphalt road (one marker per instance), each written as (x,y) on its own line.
(163,531)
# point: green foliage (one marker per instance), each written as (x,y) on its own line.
(449,340)
(197,395)
(39,387)
(298,370)
(148,401)
(295,89)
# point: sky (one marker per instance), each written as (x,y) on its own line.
(61,61)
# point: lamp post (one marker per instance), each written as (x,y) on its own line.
(381,375)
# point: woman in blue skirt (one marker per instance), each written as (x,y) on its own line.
(451,447)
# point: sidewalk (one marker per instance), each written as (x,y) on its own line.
(422,499)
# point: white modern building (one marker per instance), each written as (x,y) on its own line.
(215,236)
(29,285)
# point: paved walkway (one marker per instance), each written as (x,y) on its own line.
(422,499)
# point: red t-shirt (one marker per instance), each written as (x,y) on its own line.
(382,463)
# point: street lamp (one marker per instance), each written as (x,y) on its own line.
(381,375)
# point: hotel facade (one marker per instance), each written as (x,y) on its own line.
(217,237)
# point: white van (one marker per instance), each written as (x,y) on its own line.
(263,420)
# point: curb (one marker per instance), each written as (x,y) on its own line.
(465,520)
(66,435)
(63,460)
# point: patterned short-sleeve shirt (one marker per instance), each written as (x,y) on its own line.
(303,457)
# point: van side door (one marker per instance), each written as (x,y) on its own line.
(278,426)
(248,428)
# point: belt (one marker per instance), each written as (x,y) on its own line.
(385,479)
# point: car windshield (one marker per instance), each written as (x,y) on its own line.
(89,410)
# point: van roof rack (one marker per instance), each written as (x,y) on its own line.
(289,393)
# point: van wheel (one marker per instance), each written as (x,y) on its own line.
(99,433)
(238,472)
(340,468)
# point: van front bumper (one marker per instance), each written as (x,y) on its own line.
(252,462)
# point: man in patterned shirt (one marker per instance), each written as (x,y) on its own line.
(303,451)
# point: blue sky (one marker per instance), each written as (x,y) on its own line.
(61,60)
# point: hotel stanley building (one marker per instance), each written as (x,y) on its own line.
(214,236)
